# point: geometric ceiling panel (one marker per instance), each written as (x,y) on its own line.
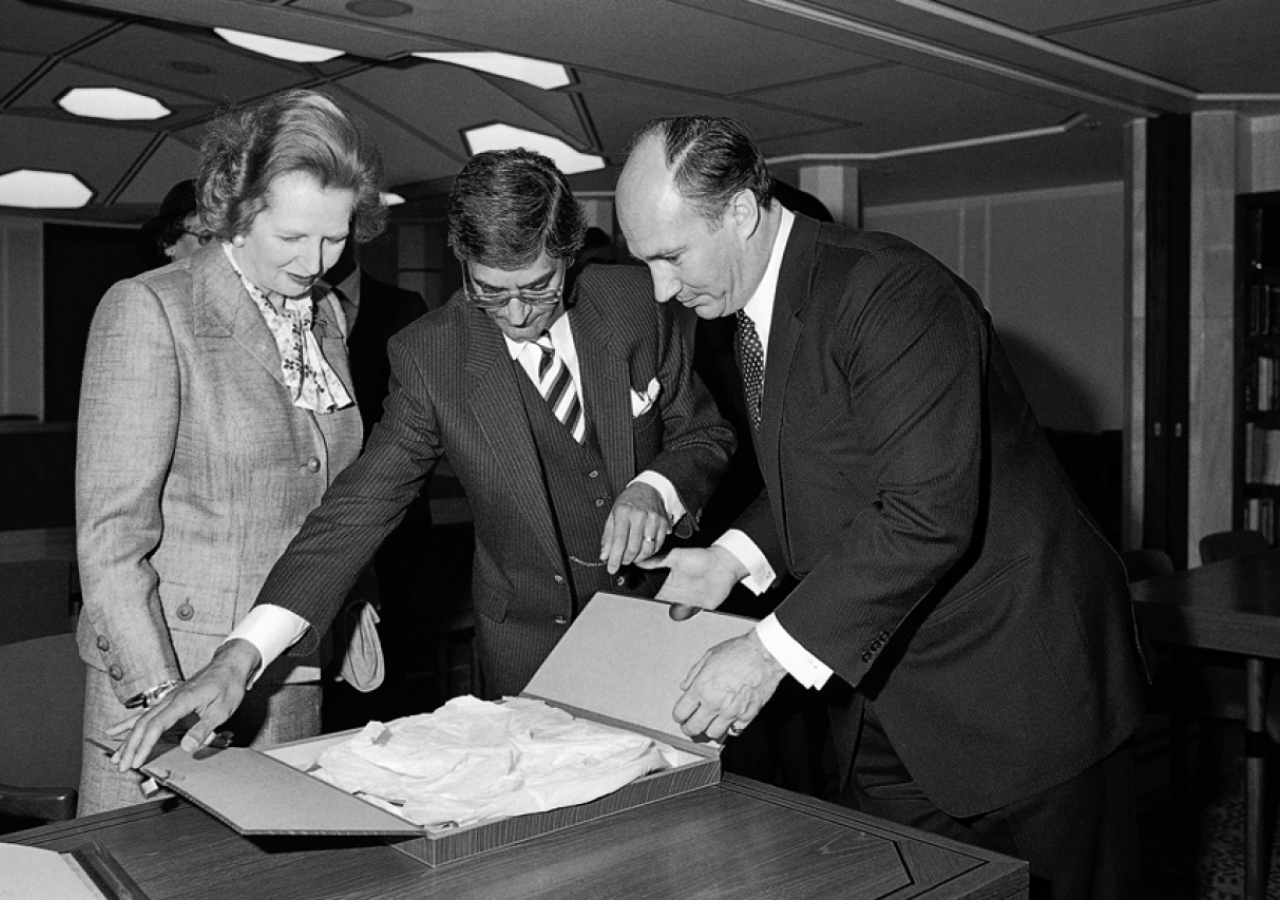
(91,150)
(43,30)
(941,109)
(805,76)
(167,164)
(194,59)
(1204,47)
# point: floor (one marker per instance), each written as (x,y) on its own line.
(1194,849)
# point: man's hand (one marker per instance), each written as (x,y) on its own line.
(700,578)
(636,527)
(212,695)
(727,688)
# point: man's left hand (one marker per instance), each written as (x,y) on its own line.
(636,527)
(727,688)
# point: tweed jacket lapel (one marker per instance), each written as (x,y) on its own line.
(785,332)
(223,309)
(495,400)
(606,390)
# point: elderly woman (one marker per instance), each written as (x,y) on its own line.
(216,407)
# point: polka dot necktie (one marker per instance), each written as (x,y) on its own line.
(751,359)
(555,383)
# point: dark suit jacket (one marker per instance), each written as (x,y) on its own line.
(384,311)
(454,391)
(948,570)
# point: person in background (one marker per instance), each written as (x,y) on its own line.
(216,408)
(374,312)
(570,416)
(175,232)
(968,620)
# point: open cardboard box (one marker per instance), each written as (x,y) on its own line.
(621,663)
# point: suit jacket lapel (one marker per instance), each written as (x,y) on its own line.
(606,389)
(785,331)
(495,400)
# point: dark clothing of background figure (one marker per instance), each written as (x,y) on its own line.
(375,312)
(946,569)
(455,390)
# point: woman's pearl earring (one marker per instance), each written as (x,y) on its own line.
(238,240)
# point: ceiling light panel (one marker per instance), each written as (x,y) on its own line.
(37,189)
(500,136)
(292,51)
(112,103)
(540,74)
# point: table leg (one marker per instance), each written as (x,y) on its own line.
(1255,749)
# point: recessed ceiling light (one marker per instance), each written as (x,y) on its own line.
(112,103)
(277,48)
(500,136)
(537,72)
(379,9)
(392,199)
(36,189)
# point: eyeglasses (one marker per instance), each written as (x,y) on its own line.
(203,237)
(490,300)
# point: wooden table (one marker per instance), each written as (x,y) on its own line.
(1231,606)
(738,840)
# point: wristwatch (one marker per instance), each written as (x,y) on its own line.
(151,696)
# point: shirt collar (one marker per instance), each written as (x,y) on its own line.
(561,337)
(760,307)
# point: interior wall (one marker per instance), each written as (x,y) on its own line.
(21,319)
(1050,266)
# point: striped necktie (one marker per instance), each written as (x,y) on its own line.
(751,359)
(555,383)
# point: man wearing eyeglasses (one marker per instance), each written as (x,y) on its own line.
(568,412)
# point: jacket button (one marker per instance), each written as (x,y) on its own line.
(116,673)
(185,611)
(559,578)
(103,644)
(561,620)
(594,473)
(599,503)
(313,464)
(622,580)
(866,657)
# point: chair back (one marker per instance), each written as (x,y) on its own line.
(35,599)
(41,712)
(1228,544)
(1145,563)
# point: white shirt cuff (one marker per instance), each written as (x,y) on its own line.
(272,630)
(666,490)
(802,665)
(759,573)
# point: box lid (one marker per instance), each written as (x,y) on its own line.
(624,658)
(256,794)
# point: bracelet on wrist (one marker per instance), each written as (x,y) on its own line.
(151,696)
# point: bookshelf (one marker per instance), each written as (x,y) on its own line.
(1258,363)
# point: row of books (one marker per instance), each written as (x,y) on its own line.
(1262,386)
(1260,515)
(1263,314)
(1261,455)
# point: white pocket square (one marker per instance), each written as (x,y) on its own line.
(642,401)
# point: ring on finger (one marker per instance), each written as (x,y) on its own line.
(735,729)
(649,540)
